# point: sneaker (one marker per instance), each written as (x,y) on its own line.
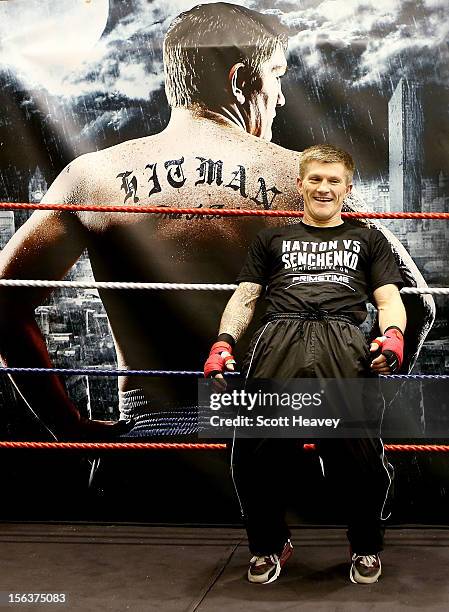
(365,569)
(264,570)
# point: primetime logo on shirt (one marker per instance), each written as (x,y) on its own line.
(340,279)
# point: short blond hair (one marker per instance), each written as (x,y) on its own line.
(327,154)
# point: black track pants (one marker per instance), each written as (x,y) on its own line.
(262,469)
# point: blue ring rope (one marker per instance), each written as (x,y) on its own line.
(153,373)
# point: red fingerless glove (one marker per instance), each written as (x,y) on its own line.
(391,345)
(216,364)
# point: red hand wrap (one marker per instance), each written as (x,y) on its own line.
(392,341)
(215,362)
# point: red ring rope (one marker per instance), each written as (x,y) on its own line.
(113,445)
(442,448)
(216,212)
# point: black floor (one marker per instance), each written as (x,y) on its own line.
(188,569)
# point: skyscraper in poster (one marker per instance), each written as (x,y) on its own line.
(406,127)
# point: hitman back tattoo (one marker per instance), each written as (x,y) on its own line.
(171,175)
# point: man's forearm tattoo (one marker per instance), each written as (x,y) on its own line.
(240,310)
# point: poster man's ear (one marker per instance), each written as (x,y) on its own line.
(236,82)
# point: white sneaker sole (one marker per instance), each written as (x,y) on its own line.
(261,579)
(275,576)
(357,578)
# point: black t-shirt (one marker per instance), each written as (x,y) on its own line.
(304,267)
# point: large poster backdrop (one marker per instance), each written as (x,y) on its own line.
(78,77)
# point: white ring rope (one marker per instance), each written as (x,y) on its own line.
(430,290)
(166,286)
(115,285)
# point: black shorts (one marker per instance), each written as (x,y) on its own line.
(303,348)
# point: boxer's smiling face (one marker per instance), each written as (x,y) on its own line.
(323,187)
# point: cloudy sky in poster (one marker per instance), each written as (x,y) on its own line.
(91,70)
(62,45)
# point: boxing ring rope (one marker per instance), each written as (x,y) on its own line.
(156,373)
(166,286)
(213,212)
(117,285)
(179,212)
(101,446)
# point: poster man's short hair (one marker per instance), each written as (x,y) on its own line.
(327,154)
(202,44)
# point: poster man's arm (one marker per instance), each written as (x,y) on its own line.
(42,248)
(45,247)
